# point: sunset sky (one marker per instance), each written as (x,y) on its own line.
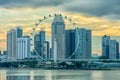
(101,16)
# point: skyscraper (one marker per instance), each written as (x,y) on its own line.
(46,50)
(110,48)
(113,49)
(37,43)
(42,40)
(19,32)
(117,49)
(105,46)
(58,38)
(11,44)
(83,43)
(70,43)
(39,39)
(23,47)
(42,36)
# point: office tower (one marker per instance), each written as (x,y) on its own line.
(117,50)
(105,46)
(58,38)
(42,36)
(88,44)
(46,50)
(19,32)
(37,43)
(70,43)
(11,44)
(39,39)
(113,49)
(83,43)
(23,47)
(42,40)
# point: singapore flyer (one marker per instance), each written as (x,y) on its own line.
(57,45)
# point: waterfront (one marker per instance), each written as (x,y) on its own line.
(36,74)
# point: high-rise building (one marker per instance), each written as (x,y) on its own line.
(11,44)
(37,43)
(46,49)
(42,40)
(19,32)
(117,50)
(105,46)
(42,36)
(58,38)
(70,43)
(114,49)
(88,44)
(83,43)
(23,47)
(39,39)
(110,48)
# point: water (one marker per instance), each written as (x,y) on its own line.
(59,75)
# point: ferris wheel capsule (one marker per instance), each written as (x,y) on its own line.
(44,17)
(70,19)
(33,28)
(40,20)
(49,15)
(36,24)
(31,33)
(65,16)
(74,24)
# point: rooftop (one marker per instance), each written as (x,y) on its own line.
(58,18)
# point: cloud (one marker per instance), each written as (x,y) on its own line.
(97,8)
(2,40)
(109,9)
(29,3)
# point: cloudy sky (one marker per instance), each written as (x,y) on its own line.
(101,16)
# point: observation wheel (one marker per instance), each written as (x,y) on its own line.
(40,22)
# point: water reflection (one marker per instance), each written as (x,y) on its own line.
(27,75)
(58,75)
(18,77)
(2,74)
(97,75)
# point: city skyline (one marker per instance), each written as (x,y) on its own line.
(27,15)
(80,38)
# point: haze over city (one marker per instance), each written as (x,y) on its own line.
(99,16)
